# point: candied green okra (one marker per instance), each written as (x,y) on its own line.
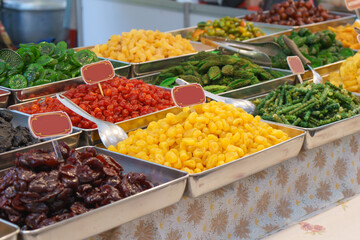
(308,104)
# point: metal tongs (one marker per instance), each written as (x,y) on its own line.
(255,56)
(357,30)
(270,48)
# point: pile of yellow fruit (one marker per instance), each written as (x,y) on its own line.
(141,46)
(214,134)
(347,35)
(348,75)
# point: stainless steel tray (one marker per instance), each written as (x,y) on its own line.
(4,98)
(344,19)
(91,136)
(7,158)
(30,93)
(315,27)
(330,132)
(170,185)
(8,231)
(248,91)
(143,68)
(212,179)
(268,29)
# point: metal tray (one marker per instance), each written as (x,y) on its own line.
(4,98)
(247,91)
(330,132)
(91,136)
(344,19)
(8,231)
(315,27)
(7,158)
(268,29)
(30,93)
(170,185)
(138,69)
(212,179)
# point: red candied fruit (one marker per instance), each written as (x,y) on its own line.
(123,99)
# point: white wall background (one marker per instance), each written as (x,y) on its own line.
(102,18)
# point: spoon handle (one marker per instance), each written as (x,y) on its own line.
(295,50)
(208,94)
(75,108)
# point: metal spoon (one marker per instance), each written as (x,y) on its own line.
(248,106)
(110,133)
(255,56)
(270,48)
(317,79)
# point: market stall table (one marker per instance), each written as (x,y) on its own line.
(259,205)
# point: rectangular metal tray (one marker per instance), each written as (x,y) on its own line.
(268,29)
(315,27)
(248,91)
(170,185)
(8,231)
(212,179)
(138,69)
(4,98)
(344,19)
(318,136)
(30,93)
(7,158)
(91,136)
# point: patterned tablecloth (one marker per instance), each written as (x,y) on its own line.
(261,204)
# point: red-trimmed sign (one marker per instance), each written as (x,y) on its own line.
(97,72)
(295,64)
(188,95)
(352,4)
(52,124)
(3,91)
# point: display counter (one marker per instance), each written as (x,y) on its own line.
(262,204)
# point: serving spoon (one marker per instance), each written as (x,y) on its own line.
(248,106)
(317,79)
(110,133)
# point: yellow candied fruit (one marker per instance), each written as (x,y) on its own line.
(213,135)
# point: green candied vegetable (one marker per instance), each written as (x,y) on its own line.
(283,119)
(312,39)
(28,57)
(215,88)
(227,70)
(214,73)
(207,64)
(83,57)
(49,74)
(346,52)
(324,94)
(238,83)
(61,76)
(17,81)
(42,81)
(191,78)
(46,48)
(3,69)
(33,72)
(70,52)
(296,122)
(299,41)
(288,108)
(75,73)
(168,82)
(5,83)
(227,59)
(59,54)
(304,32)
(45,60)
(342,97)
(277,118)
(62,45)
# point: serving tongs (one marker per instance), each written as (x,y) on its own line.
(255,56)
(270,48)
(357,30)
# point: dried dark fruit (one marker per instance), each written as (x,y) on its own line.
(41,191)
